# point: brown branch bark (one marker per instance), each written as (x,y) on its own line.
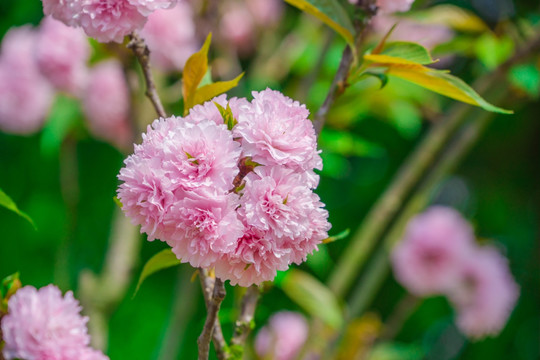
(244,323)
(142,53)
(213,305)
(340,84)
(207,284)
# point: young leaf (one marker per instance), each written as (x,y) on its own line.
(331,13)
(340,236)
(162,260)
(6,202)
(194,71)
(227,114)
(445,84)
(409,51)
(212,90)
(313,296)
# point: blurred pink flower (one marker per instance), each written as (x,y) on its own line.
(25,95)
(146,7)
(170,35)
(277,131)
(429,258)
(427,35)
(106,103)
(283,337)
(43,325)
(62,53)
(486,294)
(91,354)
(238,28)
(265,12)
(390,6)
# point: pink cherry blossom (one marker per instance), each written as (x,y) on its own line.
(256,258)
(266,12)
(146,7)
(429,258)
(283,337)
(106,103)
(238,28)
(91,354)
(170,36)
(25,95)
(177,156)
(486,294)
(43,325)
(62,10)
(277,201)
(206,225)
(62,53)
(391,6)
(277,131)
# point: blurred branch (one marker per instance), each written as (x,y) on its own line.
(387,209)
(142,53)
(101,294)
(212,307)
(402,311)
(339,84)
(244,324)
(208,286)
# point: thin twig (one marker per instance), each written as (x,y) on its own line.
(142,53)
(220,345)
(214,303)
(340,84)
(244,324)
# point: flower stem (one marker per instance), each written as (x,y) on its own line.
(244,323)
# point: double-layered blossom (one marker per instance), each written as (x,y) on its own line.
(277,131)
(62,53)
(106,103)
(105,20)
(25,95)
(429,258)
(486,294)
(283,337)
(170,36)
(43,325)
(219,200)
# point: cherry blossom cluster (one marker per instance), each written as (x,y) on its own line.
(438,256)
(283,337)
(43,325)
(230,186)
(105,20)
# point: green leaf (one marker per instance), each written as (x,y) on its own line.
(409,51)
(162,260)
(492,50)
(383,79)
(117,202)
(212,90)
(6,202)
(227,114)
(313,296)
(342,235)
(331,13)
(194,71)
(10,284)
(527,78)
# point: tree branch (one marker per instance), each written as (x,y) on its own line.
(340,84)
(142,53)
(213,305)
(244,324)
(220,345)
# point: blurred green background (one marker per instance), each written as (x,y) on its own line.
(69,193)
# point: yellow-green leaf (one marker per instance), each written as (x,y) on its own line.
(453,16)
(194,71)
(409,51)
(387,60)
(331,13)
(313,296)
(342,235)
(227,115)
(162,260)
(212,90)
(9,204)
(445,84)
